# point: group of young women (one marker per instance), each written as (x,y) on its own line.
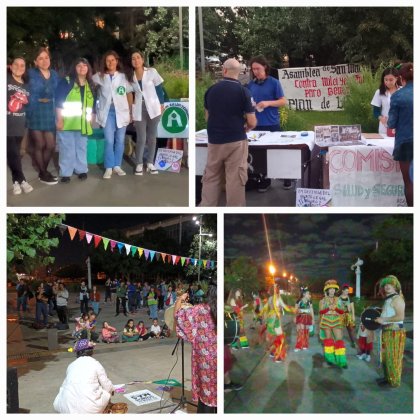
(51,107)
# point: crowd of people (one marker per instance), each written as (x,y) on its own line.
(54,110)
(336,313)
(233,109)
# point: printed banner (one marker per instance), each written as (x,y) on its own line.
(365,176)
(310,197)
(317,88)
(174,121)
(142,397)
(169,160)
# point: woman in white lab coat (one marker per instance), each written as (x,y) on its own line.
(147,109)
(113,110)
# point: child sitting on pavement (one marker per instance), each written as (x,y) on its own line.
(130,333)
(81,323)
(109,334)
(142,331)
(155,330)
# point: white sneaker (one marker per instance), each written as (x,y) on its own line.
(139,169)
(367,358)
(16,188)
(296,350)
(107,174)
(119,171)
(152,169)
(26,188)
(361,356)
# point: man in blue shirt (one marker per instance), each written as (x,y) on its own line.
(229,114)
(269,96)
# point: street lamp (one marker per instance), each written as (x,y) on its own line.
(198,221)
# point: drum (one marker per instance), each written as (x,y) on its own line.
(169,315)
(368,318)
(231,332)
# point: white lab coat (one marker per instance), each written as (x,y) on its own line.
(151,78)
(86,388)
(383,102)
(115,91)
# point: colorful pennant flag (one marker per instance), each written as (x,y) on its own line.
(97,239)
(72,232)
(88,237)
(82,234)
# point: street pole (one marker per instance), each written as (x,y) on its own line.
(200,31)
(89,273)
(199,252)
(181,52)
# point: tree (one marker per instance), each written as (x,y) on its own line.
(242,273)
(30,237)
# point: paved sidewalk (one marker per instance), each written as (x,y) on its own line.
(41,372)
(305,384)
(162,190)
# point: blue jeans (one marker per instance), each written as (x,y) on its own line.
(41,310)
(72,153)
(95,307)
(114,141)
(153,311)
(21,302)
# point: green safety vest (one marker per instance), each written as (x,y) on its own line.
(77,115)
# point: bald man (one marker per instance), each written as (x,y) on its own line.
(230,114)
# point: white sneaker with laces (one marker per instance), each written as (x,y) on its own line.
(119,171)
(361,356)
(107,173)
(26,188)
(16,188)
(151,169)
(139,170)
(367,358)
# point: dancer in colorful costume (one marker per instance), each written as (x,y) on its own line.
(393,332)
(304,319)
(331,326)
(235,301)
(348,316)
(274,333)
(257,308)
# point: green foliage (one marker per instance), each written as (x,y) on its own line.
(29,239)
(242,273)
(357,101)
(333,35)
(202,84)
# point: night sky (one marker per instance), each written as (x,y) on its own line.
(76,251)
(306,245)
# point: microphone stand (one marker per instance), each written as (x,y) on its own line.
(183,399)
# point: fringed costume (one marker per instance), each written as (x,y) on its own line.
(303,323)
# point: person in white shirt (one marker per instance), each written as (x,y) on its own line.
(113,110)
(86,388)
(147,109)
(155,330)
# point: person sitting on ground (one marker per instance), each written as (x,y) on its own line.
(142,331)
(86,388)
(80,325)
(155,330)
(129,333)
(109,334)
(90,328)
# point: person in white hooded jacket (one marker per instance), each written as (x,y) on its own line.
(86,388)
(113,113)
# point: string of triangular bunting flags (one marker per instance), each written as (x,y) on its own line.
(148,254)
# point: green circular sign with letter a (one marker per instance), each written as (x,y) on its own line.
(175,119)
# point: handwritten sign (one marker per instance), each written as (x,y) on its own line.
(310,197)
(318,88)
(365,176)
(169,160)
(338,135)
(142,397)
